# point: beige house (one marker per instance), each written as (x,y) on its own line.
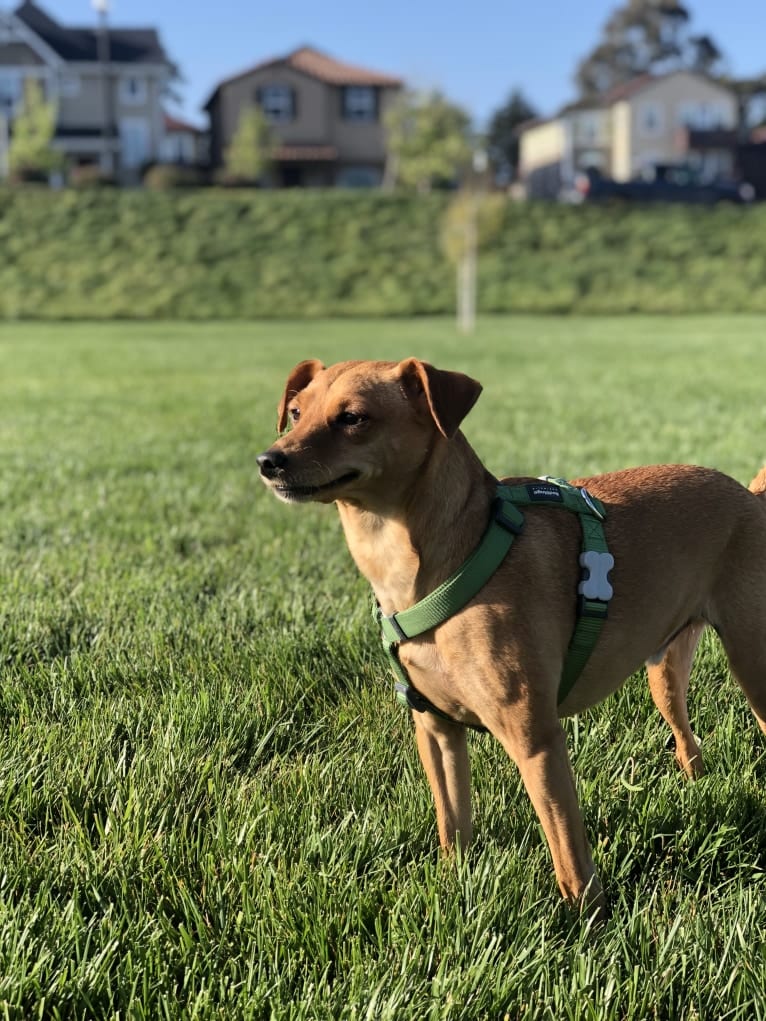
(649,120)
(107,84)
(327,117)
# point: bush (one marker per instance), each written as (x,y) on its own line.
(90,175)
(165,176)
(252,253)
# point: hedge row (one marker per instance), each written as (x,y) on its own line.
(223,254)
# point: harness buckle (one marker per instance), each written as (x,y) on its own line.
(502,517)
(592,504)
(395,626)
(598,609)
(411,698)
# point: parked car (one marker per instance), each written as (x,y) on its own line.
(663,183)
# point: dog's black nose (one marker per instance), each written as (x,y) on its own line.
(271,463)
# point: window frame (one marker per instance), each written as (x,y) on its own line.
(139,97)
(282,111)
(366,112)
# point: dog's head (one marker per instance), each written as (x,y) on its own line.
(361,429)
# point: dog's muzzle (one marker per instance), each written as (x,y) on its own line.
(271,463)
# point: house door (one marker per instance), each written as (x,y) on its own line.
(292,176)
(135,141)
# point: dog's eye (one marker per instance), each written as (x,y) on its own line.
(294,413)
(349,418)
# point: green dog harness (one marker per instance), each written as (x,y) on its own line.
(506,522)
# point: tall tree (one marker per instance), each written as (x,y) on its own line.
(31,150)
(503,134)
(249,156)
(428,141)
(645,36)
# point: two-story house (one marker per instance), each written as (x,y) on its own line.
(670,118)
(326,117)
(107,84)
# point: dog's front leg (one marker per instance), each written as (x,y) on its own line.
(543,762)
(443,748)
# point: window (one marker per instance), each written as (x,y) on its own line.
(69,85)
(360,103)
(11,91)
(588,129)
(703,116)
(650,119)
(277,103)
(133,91)
(358,177)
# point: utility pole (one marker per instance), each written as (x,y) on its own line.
(102,40)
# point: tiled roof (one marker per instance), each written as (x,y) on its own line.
(625,90)
(317,65)
(335,72)
(126,45)
(311,153)
(175,124)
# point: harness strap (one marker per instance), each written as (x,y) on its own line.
(506,522)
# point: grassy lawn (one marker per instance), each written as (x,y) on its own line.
(211,805)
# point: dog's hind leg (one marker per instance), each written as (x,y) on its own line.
(443,749)
(746,649)
(742,613)
(669,684)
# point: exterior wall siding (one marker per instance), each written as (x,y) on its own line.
(318,121)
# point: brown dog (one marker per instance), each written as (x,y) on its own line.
(382,441)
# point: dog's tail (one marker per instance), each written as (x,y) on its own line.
(758,485)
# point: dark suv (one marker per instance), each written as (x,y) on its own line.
(663,183)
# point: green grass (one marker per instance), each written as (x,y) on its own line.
(210,804)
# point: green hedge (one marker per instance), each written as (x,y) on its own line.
(229,254)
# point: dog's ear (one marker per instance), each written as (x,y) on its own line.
(449,395)
(298,380)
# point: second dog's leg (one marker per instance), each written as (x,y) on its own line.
(443,749)
(669,684)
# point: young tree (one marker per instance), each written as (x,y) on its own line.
(503,134)
(30,150)
(249,156)
(471,221)
(428,141)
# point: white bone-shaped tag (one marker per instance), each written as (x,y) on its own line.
(598,566)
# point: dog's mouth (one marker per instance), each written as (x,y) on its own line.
(298,494)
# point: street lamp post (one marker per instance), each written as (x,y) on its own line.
(102,40)
(4,143)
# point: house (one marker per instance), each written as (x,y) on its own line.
(107,84)
(677,117)
(326,116)
(183,143)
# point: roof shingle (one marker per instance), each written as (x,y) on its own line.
(321,66)
(126,45)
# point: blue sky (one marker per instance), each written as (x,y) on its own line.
(475,53)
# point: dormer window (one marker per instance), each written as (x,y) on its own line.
(360,103)
(277,103)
